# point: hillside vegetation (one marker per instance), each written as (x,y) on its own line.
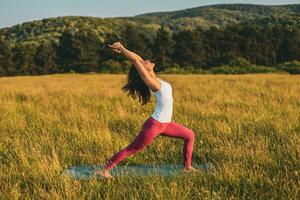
(204,17)
(191,40)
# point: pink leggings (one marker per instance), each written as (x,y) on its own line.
(150,129)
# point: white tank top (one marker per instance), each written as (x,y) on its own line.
(164,102)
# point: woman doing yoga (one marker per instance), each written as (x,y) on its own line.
(142,82)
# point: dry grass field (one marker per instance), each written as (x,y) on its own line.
(248,126)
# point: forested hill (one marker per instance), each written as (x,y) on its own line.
(229,38)
(205,17)
(220,15)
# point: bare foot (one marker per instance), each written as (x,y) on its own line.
(104,173)
(190,169)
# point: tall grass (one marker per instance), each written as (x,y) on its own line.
(248,126)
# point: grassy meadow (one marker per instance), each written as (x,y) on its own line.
(247,126)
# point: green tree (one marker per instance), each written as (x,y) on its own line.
(67,51)
(294,45)
(162,48)
(79,50)
(6,58)
(135,40)
(189,48)
(24,54)
(45,58)
(88,43)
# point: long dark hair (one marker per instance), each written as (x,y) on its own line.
(135,86)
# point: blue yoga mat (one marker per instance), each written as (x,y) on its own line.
(86,172)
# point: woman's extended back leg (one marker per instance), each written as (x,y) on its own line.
(143,139)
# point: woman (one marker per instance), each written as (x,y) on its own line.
(142,82)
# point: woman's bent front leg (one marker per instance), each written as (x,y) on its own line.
(179,131)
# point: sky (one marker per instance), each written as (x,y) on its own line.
(14,12)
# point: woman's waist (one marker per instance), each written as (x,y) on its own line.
(161,120)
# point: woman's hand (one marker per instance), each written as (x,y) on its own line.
(117,46)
